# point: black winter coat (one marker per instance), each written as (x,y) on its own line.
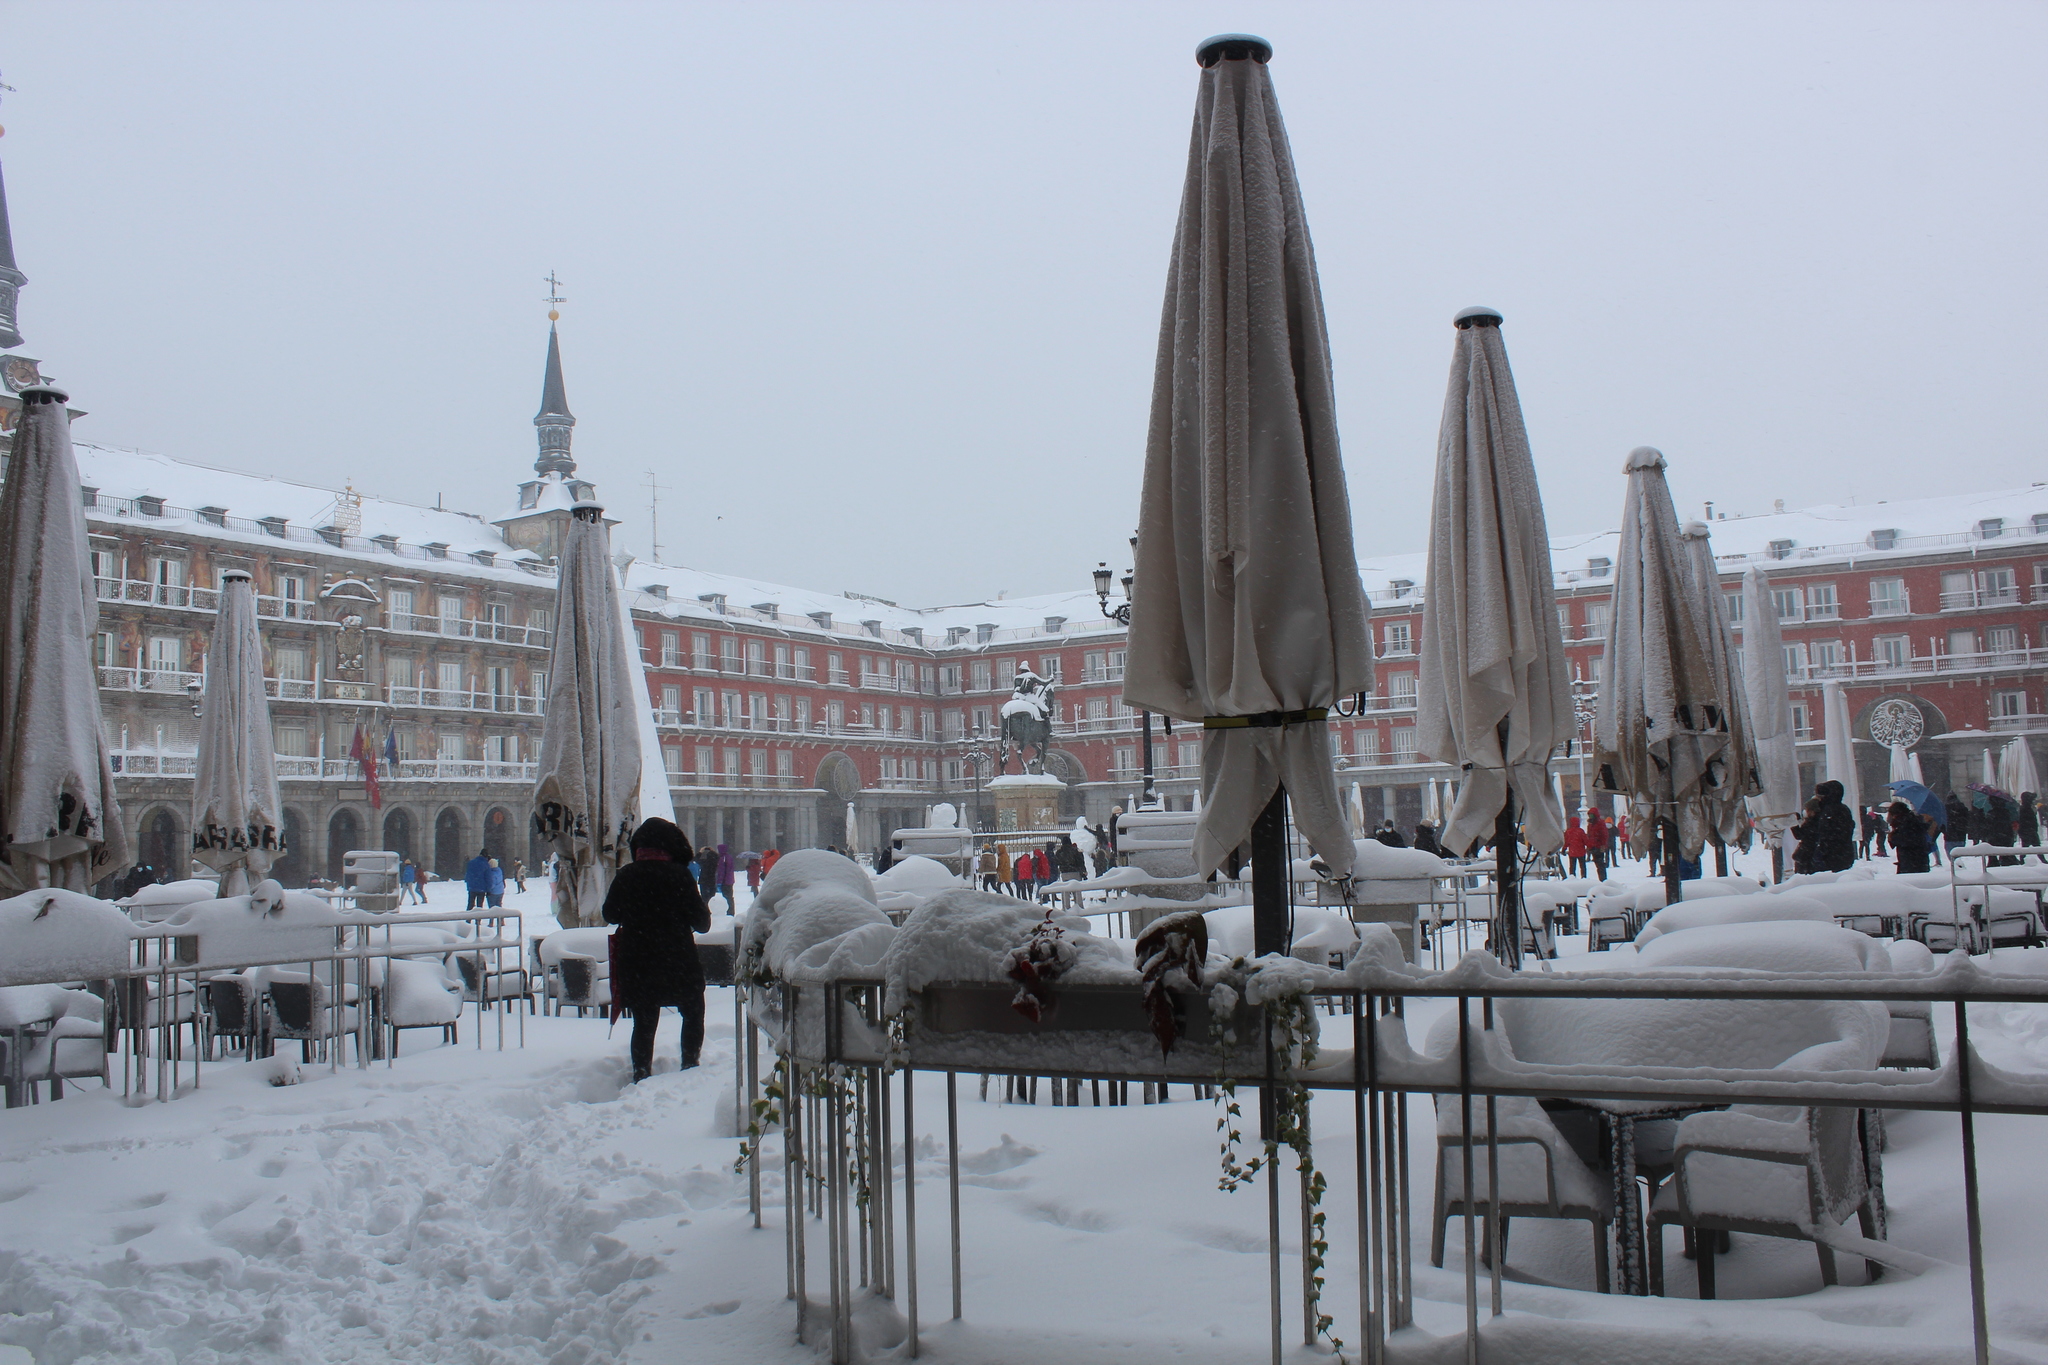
(1834,831)
(654,955)
(1910,840)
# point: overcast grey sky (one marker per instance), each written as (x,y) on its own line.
(874,290)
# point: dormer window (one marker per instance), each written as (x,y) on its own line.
(1885,539)
(984,632)
(386,541)
(1991,528)
(1599,566)
(91,496)
(955,634)
(916,634)
(713,600)
(272,526)
(487,558)
(771,611)
(1053,624)
(149,505)
(821,619)
(436,549)
(657,591)
(1781,549)
(332,535)
(214,516)
(873,628)
(1402,586)
(2041,523)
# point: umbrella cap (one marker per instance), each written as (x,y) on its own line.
(1233,47)
(1643,457)
(44,393)
(1477,316)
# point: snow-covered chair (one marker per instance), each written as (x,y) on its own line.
(490,983)
(1911,1043)
(1540,1175)
(583,986)
(232,1010)
(592,945)
(301,1007)
(1781,1172)
(416,995)
(50,1033)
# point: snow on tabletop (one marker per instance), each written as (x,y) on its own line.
(1765,945)
(56,935)
(1230,931)
(968,935)
(1374,861)
(253,928)
(915,874)
(1691,914)
(593,943)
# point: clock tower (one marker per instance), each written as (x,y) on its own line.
(545,499)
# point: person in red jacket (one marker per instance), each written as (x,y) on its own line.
(1575,846)
(1598,835)
(1041,868)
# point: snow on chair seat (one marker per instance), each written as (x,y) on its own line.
(417,996)
(583,985)
(491,984)
(1780,1172)
(302,1008)
(1540,1175)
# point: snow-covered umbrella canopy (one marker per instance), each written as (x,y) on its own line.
(586,801)
(1246,613)
(1841,743)
(1901,769)
(2016,770)
(236,820)
(59,823)
(1662,733)
(1776,805)
(1913,763)
(1495,694)
(1742,767)
(852,831)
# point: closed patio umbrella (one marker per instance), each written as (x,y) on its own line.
(1728,824)
(1901,769)
(1495,693)
(1247,615)
(1662,733)
(236,818)
(1841,745)
(1776,805)
(2016,770)
(59,823)
(586,800)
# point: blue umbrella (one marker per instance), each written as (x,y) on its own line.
(1921,800)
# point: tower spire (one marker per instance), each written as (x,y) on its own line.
(11,279)
(555,423)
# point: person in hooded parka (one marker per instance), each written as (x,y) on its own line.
(1834,830)
(659,913)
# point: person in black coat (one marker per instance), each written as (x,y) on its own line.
(1389,836)
(1955,829)
(2030,821)
(1910,837)
(660,912)
(1834,826)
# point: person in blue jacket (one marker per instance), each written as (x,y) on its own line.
(494,890)
(477,877)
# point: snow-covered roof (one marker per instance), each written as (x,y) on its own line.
(158,492)
(236,502)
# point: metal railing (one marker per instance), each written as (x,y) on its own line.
(738,781)
(463,699)
(309,768)
(2005,596)
(463,628)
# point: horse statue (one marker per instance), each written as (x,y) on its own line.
(1027,721)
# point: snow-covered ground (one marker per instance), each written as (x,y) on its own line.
(490,1207)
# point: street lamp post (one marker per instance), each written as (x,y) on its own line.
(976,752)
(1121,614)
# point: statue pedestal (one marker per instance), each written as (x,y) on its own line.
(1026,801)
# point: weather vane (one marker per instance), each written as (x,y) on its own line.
(554,298)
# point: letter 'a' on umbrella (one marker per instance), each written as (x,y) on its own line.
(1247,615)
(1662,733)
(59,823)
(586,801)
(1495,696)
(235,812)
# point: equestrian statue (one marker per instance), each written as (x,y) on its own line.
(1027,720)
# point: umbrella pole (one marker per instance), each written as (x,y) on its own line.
(1269,935)
(1507,886)
(1673,891)
(1720,857)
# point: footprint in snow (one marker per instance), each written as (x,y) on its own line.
(1080,1220)
(714,1310)
(1006,1155)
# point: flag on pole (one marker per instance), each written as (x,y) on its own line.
(366,756)
(391,751)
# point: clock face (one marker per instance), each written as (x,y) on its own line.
(1894,721)
(19,372)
